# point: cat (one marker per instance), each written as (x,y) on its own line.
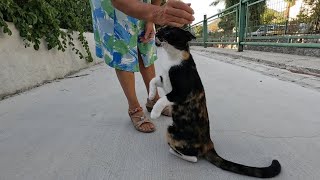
(189,134)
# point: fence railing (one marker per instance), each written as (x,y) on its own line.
(259,23)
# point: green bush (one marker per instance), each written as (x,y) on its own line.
(45,19)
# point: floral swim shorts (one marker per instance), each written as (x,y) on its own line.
(117,37)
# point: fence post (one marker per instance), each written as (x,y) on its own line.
(205,31)
(242,24)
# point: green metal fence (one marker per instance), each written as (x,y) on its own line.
(261,23)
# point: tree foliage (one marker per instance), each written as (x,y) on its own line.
(271,16)
(310,14)
(43,19)
(198,31)
(228,22)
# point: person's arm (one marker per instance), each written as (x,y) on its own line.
(135,8)
(149,27)
(174,12)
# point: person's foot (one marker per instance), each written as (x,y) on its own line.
(167,111)
(140,121)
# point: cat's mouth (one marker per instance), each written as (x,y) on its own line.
(161,43)
(159,38)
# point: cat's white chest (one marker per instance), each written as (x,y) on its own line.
(167,87)
(166,64)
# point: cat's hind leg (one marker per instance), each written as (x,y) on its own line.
(154,83)
(182,156)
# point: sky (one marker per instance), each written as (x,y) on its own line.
(201,7)
(280,5)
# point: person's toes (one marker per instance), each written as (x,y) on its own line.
(146,127)
(150,126)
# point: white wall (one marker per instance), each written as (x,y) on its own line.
(23,68)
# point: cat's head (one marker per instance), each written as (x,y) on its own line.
(173,37)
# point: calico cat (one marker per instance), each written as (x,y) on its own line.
(189,135)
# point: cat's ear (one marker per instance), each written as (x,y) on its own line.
(190,36)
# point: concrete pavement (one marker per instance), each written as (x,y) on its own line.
(78,128)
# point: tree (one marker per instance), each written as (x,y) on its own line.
(290,3)
(271,15)
(310,15)
(228,22)
(198,30)
(38,20)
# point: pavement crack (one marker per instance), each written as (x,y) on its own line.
(81,75)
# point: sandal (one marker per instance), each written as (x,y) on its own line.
(167,111)
(142,120)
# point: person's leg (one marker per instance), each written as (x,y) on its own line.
(148,73)
(127,81)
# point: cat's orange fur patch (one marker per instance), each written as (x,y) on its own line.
(185,55)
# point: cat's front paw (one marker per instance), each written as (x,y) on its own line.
(152,94)
(155,114)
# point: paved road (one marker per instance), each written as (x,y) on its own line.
(78,128)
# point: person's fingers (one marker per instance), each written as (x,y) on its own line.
(174,24)
(175,13)
(147,33)
(181,14)
(142,39)
(178,20)
(180,5)
(151,34)
(145,40)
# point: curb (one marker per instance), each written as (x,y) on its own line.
(294,69)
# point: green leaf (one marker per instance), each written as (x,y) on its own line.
(42,19)
(9,32)
(36,47)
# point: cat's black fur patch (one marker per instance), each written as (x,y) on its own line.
(190,132)
(177,37)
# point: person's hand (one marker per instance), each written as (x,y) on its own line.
(174,13)
(149,32)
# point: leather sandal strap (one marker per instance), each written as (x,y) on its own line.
(142,121)
(139,120)
(133,111)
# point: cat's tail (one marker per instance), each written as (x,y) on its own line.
(262,172)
